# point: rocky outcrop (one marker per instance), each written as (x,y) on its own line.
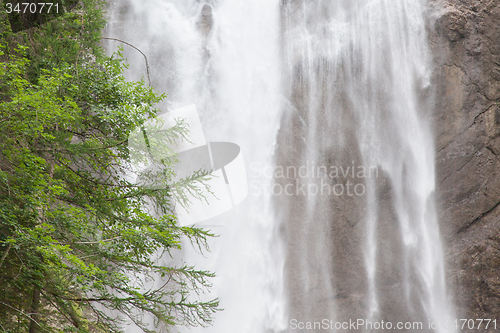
(205,21)
(465,40)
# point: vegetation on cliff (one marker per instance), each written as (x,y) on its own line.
(78,241)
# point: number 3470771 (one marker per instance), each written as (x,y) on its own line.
(26,7)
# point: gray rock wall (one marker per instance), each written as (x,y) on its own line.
(465,40)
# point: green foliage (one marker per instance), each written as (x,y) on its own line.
(78,241)
(22,16)
(72,37)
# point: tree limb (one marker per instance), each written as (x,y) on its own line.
(5,254)
(121,41)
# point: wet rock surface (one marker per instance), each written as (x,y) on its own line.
(205,21)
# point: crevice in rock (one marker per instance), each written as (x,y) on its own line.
(468,225)
(468,128)
(491,150)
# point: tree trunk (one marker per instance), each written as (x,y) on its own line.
(34,310)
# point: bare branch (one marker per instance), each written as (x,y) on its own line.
(5,254)
(121,41)
(98,242)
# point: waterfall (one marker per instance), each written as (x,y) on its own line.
(331,103)
(359,82)
(209,55)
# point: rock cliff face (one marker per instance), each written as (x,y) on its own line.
(465,40)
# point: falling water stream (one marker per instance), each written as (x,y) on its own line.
(359,82)
(313,86)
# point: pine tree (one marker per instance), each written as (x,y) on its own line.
(78,240)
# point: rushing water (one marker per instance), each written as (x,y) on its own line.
(359,80)
(231,70)
(308,84)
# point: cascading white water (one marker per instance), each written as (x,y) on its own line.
(357,92)
(223,57)
(359,76)
(396,134)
